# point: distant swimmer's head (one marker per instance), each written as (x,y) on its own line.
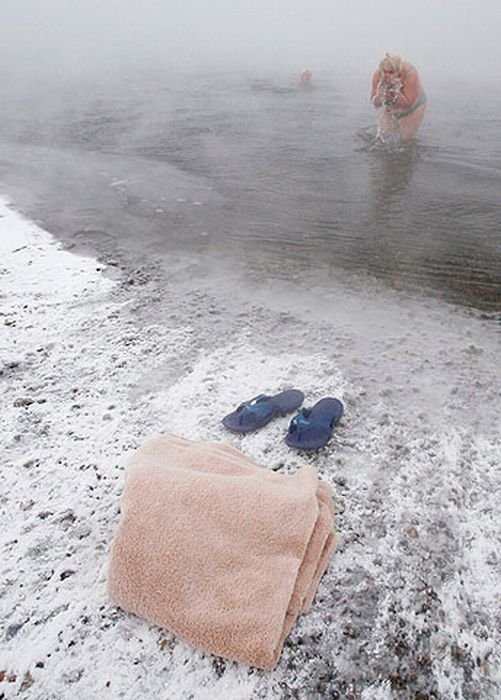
(390,66)
(305,77)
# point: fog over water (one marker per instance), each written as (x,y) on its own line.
(80,36)
(155,126)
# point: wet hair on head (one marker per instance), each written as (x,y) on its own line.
(390,61)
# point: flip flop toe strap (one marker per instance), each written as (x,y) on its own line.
(304,426)
(300,423)
(254,409)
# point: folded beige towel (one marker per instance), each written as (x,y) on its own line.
(222,552)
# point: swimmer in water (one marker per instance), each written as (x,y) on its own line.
(397,89)
(305,78)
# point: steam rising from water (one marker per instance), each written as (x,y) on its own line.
(195,109)
(233,165)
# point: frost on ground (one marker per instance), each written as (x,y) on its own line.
(96,356)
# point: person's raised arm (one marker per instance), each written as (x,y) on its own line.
(376,93)
(410,90)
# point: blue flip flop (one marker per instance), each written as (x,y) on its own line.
(312,428)
(257,412)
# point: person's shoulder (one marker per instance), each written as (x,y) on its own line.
(408,70)
(409,67)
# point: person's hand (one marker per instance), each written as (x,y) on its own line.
(379,94)
(381,90)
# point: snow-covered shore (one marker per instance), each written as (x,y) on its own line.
(96,356)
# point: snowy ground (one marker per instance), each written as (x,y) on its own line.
(97,355)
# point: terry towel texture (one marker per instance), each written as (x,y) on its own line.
(222,552)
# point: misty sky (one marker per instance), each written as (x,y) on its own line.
(83,36)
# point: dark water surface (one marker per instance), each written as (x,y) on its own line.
(253,169)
